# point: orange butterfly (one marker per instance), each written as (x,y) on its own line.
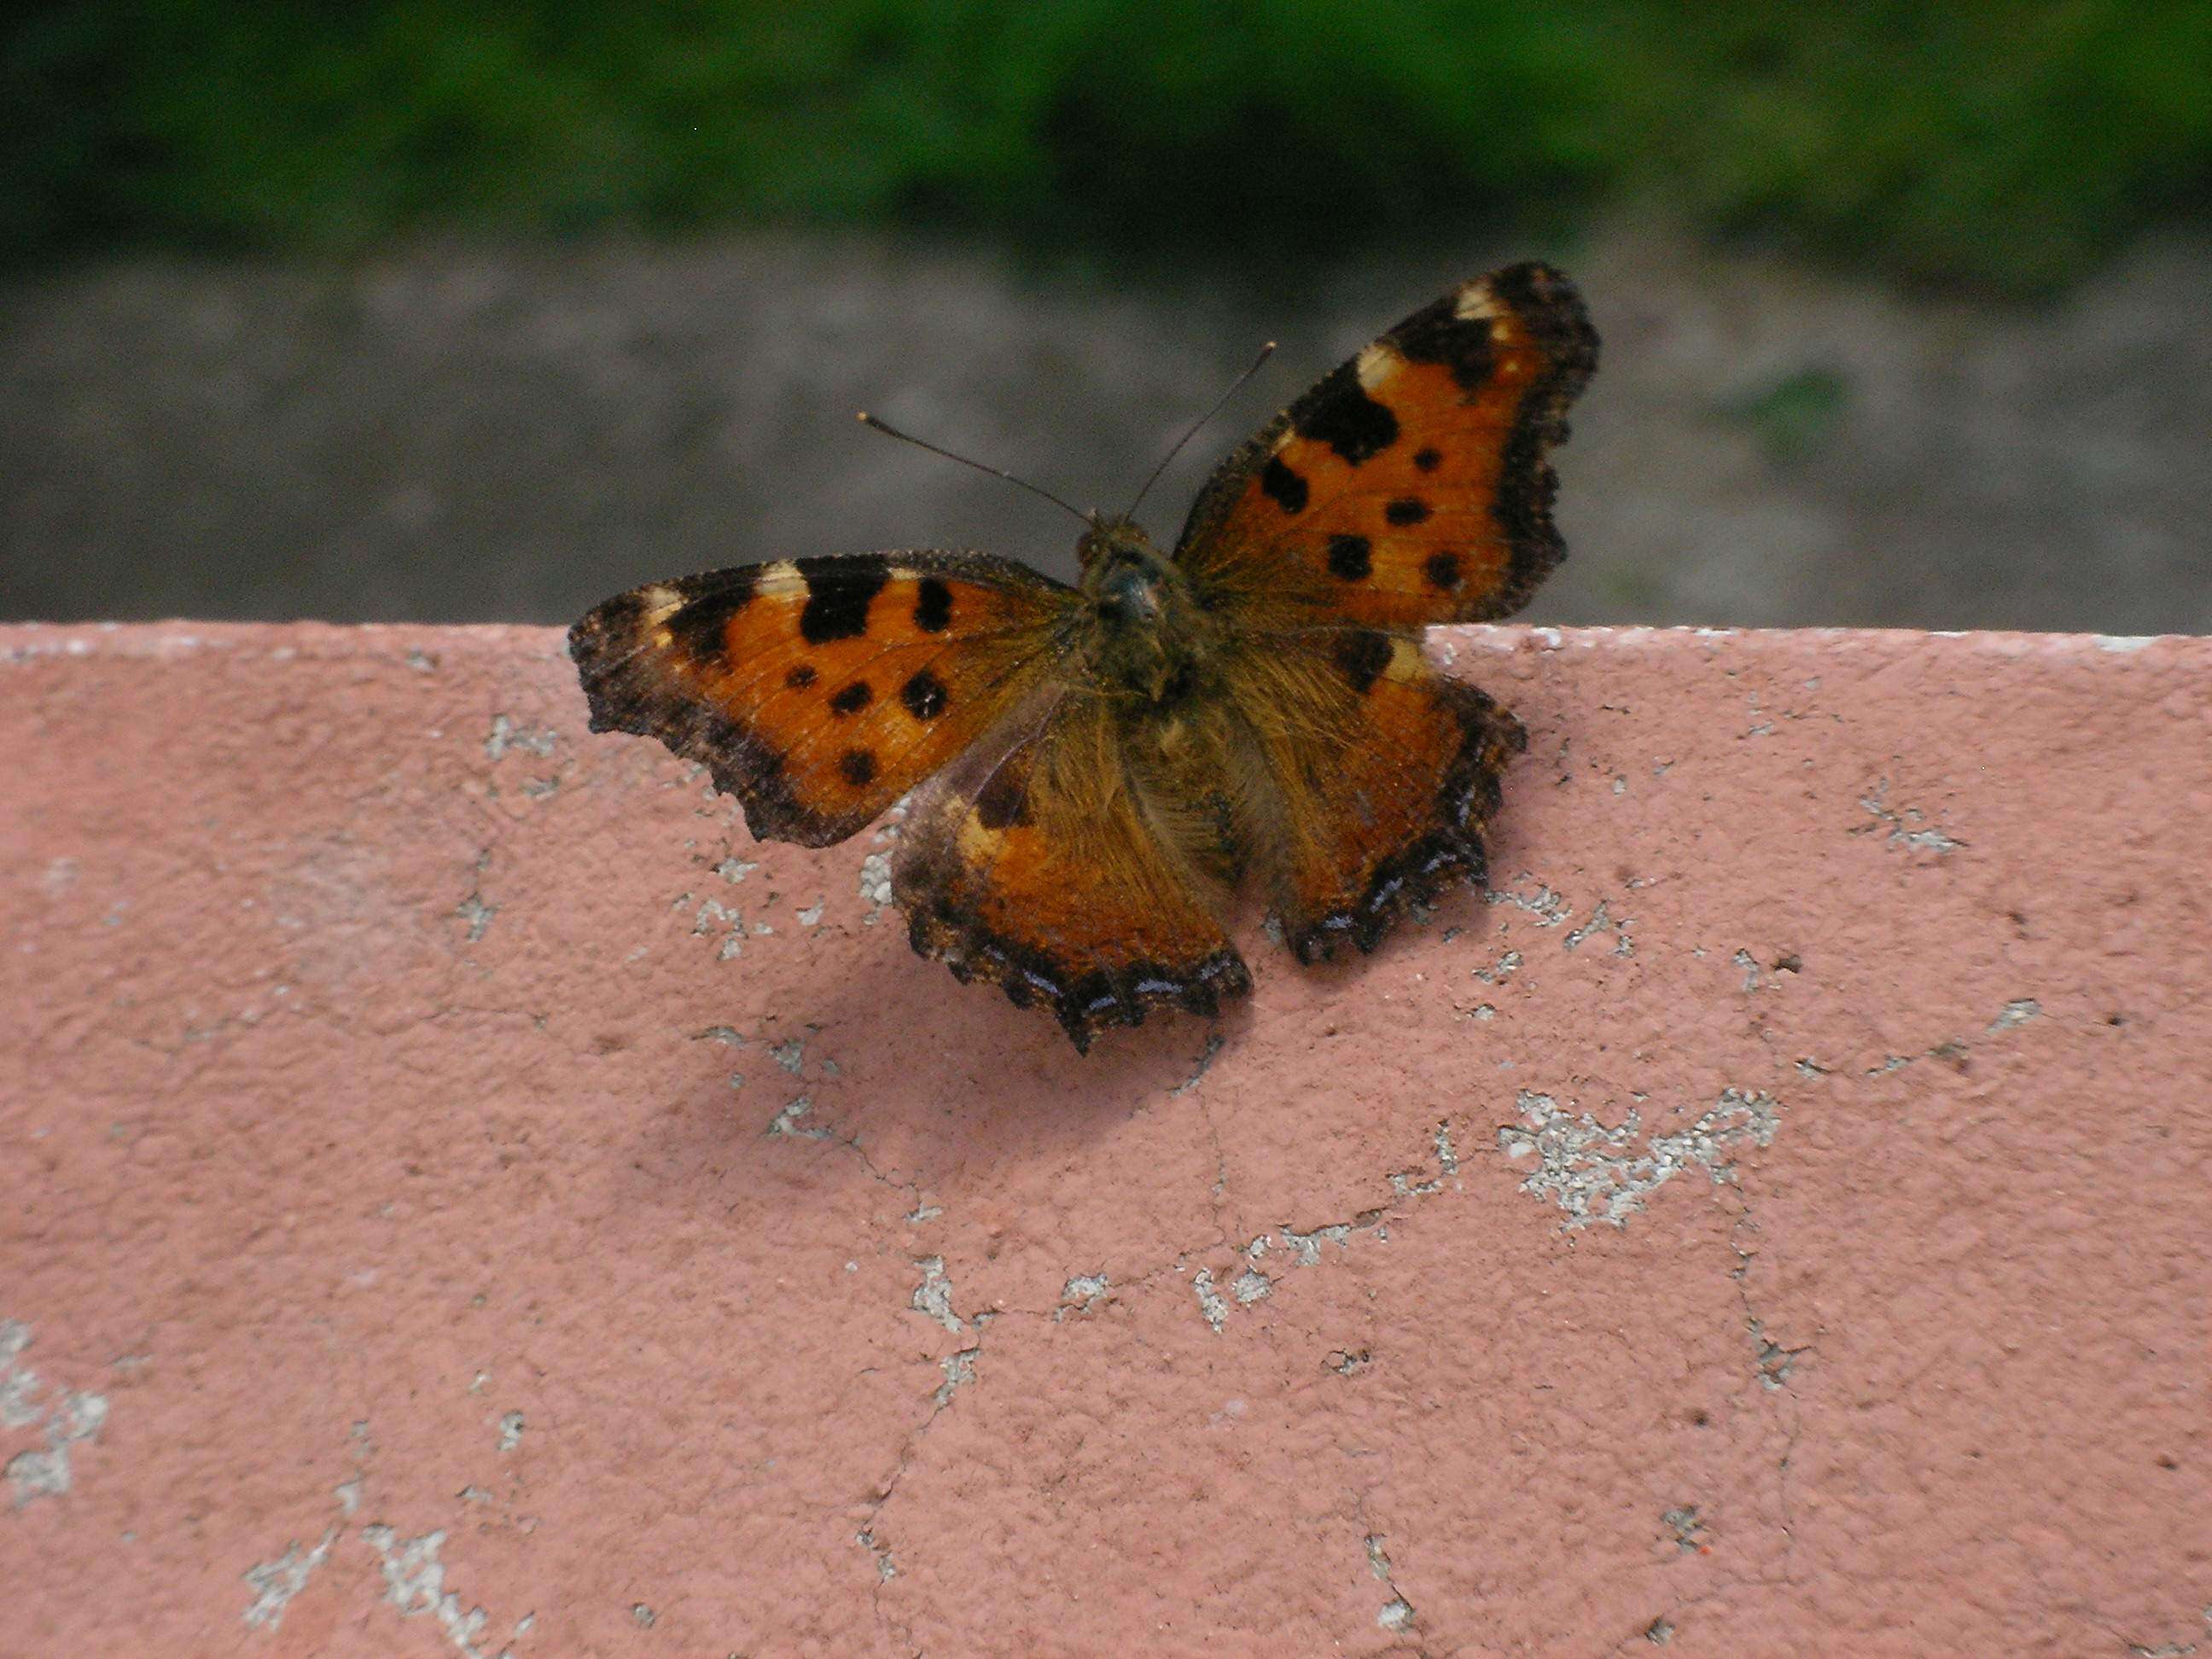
(1106,762)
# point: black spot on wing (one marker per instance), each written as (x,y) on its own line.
(1351,557)
(1363,654)
(852,698)
(932,605)
(924,696)
(1439,334)
(801,676)
(1339,413)
(1283,487)
(1428,459)
(1407,511)
(699,628)
(1005,801)
(859,766)
(839,591)
(1443,570)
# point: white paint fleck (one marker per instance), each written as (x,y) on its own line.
(1904,830)
(19,1383)
(2123,645)
(474,911)
(1397,1614)
(2017,1013)
(959,1372)
(415,1583)
(1446,1157)
(875,882)
(506,735)
(1081,1293)
(1601,921)
(276,1583)
(510,1430)
(1547,906)
(1503,970)
(77,1417)
(932,1297)
(1595,1174)
(1250,1286)
(791,1055)
(786,1124)
(812,914)
(1305,1248)
(1210,1304)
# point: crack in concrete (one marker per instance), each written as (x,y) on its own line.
(1254,1283)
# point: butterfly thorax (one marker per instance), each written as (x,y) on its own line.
(1142,629)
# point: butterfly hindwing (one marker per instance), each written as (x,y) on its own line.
(1040,863)
(1377,777)
(1409,487)
(818,690)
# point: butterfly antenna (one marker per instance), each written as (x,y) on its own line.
(867,419)
(1235,386)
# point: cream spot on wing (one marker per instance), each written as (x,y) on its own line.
(1405,663)
(1475,301)
(782,577)
(978,845)
(1376,364)
(661,603)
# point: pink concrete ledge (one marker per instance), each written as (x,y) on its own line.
(462,1196)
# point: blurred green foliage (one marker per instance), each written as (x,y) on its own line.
(1997,144)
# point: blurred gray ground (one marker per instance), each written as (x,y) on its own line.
(464,434)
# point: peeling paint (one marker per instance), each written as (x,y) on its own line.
(875,884)
(785,1123)
(1904,823)
(276,1583)
(1503,970)
(506,735)
(415,1583)
(959,1369)
(932,1297)
(76,1419)
(1547,906)
(1211,1307)
(1082,1292)
(1601,921)
(1595,1174)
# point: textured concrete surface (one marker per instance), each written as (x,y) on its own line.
(462,1196)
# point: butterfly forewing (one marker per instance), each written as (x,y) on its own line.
(819,690)
(1411,486)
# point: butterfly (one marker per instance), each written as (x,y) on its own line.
(1100,767)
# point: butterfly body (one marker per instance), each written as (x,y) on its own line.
(1145,631)
(1098,768)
